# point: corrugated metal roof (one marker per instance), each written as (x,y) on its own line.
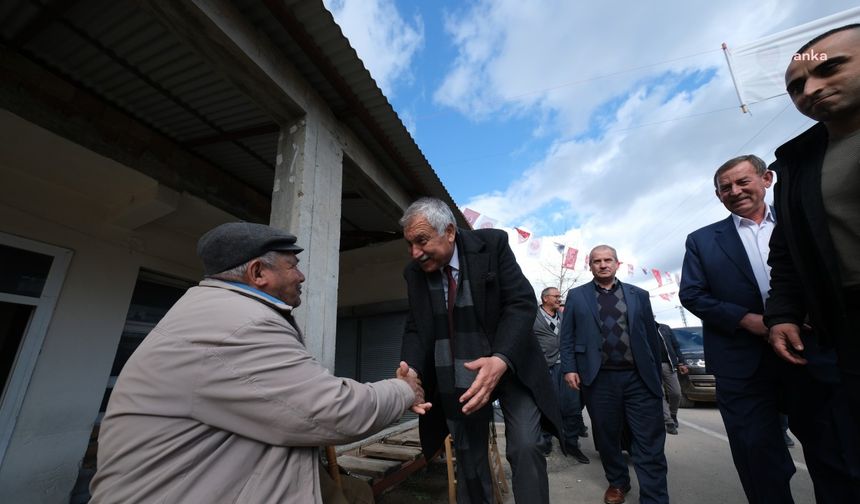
(126,55)
(316,27)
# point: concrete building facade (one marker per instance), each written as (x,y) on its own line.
(130,128)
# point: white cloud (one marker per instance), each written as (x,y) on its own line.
(384,40)
(633,145)
(641,179)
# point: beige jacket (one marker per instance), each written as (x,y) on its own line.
(222,403)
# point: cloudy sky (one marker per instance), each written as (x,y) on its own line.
(581,122)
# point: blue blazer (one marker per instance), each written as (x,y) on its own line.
(719,287)
(582,341)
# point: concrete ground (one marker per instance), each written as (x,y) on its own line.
(700,470)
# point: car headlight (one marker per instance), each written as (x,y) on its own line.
(698,363)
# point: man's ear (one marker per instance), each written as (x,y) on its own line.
(450,233)
(768,178)
(255,274)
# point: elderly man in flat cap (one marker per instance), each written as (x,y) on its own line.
(222,402)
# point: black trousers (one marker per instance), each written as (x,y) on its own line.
(523,450)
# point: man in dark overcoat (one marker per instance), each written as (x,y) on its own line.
(468,337)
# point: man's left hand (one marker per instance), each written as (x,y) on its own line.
(683,369)
(490,371)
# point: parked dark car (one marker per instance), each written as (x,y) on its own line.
(698,385)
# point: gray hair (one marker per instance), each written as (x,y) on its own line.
(757,162)
(603,247)
(437,213)
(544,293)
(237,273)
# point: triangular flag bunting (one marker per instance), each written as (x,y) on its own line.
(522,235)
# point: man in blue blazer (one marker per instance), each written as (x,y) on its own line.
(725,282)
(610,351)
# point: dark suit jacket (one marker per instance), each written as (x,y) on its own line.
(505,305)
(719,287)
(582,341)
(673,348)
(805,277)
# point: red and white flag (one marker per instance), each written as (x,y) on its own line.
(522,235)
(658,276)
(668,277)
(471,216)
(570,258)
(534,247)
(587,261)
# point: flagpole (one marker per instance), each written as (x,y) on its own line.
(744,108)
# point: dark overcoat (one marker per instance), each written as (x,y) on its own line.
(506,308)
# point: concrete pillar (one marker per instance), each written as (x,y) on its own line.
(306,200)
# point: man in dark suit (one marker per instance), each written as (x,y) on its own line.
(724,282)
(610,351)
(468,337)
(671,363)
(815,248)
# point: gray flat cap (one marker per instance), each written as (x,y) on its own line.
(235,243)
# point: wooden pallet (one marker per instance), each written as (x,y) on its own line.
(385,462)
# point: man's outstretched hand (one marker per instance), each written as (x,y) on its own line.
(407,374)
(490,371)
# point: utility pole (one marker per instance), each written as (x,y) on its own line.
(683,315)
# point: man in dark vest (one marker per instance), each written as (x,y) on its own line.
(610,350)
(468,337)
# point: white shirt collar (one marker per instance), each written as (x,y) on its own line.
(455,259)
(739,221)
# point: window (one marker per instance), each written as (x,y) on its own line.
(153,296)
(31,274)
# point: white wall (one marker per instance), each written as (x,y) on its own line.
(58,193)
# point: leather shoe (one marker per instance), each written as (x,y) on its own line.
(576,453)
(614,495)
(671,429)
(584,432)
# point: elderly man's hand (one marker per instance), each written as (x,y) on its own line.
(572,380)
(490,371)
(407,374)
(785,340)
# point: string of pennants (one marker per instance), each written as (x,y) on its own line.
(534,245)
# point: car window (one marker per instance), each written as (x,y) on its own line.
(689,338)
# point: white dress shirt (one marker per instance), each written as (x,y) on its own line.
(756,240)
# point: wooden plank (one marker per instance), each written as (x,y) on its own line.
(391,452)
(374,468)
(398,476)
(409,438)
